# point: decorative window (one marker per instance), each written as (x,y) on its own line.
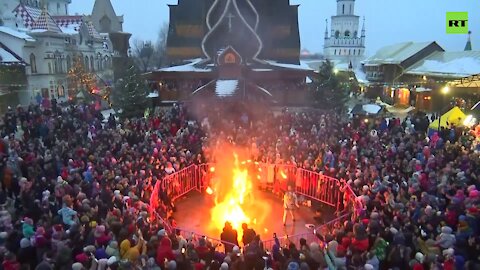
(69,63)
(86,64)
(347,33)
(343,9)
(337,34)
(33,63)
(92,64)
(49,68)
(335,52)
(60,91)
(230,58)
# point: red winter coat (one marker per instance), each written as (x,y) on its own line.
(164,251)
(360,245)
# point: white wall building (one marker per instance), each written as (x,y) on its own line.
(48,39)
(344,44)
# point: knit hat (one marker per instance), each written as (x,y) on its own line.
(89,248)
(419,257)
(172,265)
(24,243)
(85,219)
(428,210)
(368,267)
(27,220)
(293,266)
(99,231)
(112,248)
(448,252)
(77,266)
(473,194)
(224,266)
(81,258)
(161,232)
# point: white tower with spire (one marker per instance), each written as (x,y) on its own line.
(344,43)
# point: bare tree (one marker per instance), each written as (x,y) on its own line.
(161,46)
(143,53)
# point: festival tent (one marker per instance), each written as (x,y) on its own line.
(455,117)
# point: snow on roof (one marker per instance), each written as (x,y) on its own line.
(422,89)
(360,76)
(396,53)
(448,64)
(190,67)
(262,69)
(225,88)
(7,57)
(153,95)
(15,33)
(302,66)
(371,108)
(69,30)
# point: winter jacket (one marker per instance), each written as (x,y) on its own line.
(27,230)
(164,251)
(67,214)
(446,239)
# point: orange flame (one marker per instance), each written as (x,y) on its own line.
(284,176)
(212,169)
(209,191)
(231,206)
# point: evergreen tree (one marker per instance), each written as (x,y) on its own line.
(131,94)
(330,88)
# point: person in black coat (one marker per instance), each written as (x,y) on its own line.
(229,236)
(27,254)
(248,234)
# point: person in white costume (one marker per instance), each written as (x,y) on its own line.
(290,204)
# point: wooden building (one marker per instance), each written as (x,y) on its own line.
(253,44)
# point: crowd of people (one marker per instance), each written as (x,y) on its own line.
(75,189)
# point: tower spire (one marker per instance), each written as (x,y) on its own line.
(363,27)
(326,28)
(468,46)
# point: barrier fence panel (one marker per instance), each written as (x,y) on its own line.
(318,187)
(273,177)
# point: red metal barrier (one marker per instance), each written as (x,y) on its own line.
(274,177)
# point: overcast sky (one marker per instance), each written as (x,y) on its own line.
(387,21)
